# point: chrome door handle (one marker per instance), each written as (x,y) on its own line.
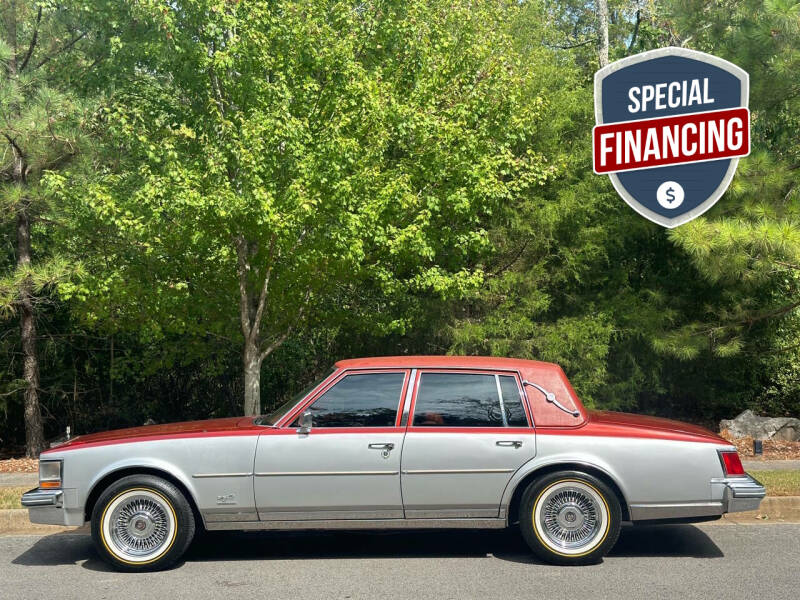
(509,443)
(387,446)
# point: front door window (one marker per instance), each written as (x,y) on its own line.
(360,400)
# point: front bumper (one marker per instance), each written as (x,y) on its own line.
(38,497)
(741,493)
(53,507)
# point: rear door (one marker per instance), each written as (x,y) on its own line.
(348,465)
(468,432)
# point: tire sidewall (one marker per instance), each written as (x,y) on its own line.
(183,516)
(543,551)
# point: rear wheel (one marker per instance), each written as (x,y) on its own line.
(570,518)
(142,523)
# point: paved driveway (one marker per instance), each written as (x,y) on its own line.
(680,561)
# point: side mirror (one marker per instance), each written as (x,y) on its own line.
(305,422)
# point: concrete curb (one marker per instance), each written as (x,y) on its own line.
(780,509)
(773,509)
(15,521)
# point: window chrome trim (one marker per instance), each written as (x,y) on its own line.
(503,414)
(412,382)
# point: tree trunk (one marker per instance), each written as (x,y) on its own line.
(602,31)
(34,436)
(252,380)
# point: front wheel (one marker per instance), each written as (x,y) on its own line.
(570,518)
(142,523)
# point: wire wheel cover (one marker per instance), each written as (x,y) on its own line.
(139,525)
(570,517)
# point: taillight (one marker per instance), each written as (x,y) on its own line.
(731,463)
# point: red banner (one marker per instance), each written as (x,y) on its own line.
(696,137)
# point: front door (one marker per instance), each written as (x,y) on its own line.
(469,433)
(348,465)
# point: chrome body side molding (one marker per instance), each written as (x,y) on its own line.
(448,471)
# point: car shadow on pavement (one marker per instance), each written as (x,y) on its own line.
(58,549)
(666,541)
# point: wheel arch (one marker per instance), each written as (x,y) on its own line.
(107,479)
(589,469)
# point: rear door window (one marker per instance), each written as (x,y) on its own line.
(468,400)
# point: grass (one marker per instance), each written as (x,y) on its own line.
(779,483)
(9,496)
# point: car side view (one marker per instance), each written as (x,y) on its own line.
(397,442)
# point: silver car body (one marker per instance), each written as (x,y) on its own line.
(242,475)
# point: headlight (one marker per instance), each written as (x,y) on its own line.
(50,473)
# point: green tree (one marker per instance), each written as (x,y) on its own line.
(274,166)
(578,278)
(41,49)
(749,244)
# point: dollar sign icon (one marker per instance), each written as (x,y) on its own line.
(670,194)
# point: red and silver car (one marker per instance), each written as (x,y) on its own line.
(397,442)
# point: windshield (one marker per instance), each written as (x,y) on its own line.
(272,417)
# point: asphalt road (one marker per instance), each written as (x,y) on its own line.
(679,561)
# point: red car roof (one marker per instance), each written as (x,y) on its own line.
(472,362)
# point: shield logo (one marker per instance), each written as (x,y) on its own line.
(671,126)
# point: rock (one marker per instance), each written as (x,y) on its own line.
(748,424)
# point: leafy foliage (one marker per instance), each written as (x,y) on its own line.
(405,177)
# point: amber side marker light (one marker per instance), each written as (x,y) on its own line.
(731,463)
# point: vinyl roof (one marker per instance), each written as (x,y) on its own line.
(471,362)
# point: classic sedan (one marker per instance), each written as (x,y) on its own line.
(396,442)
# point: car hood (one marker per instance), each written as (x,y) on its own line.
(652,424)
(167,430)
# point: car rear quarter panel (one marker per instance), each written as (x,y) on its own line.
(650,473)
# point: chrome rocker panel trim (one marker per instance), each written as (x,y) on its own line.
(361,524)
(37,497)
(679,510)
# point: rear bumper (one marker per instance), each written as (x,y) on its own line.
(741,493)
(728,494)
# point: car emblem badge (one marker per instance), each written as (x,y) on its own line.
(226,499)
(671,126)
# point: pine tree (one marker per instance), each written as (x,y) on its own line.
(40,43)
